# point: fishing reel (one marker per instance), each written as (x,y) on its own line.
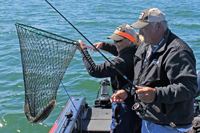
(104,99)
(139,108)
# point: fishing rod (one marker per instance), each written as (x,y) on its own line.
(93,46)
(137,106)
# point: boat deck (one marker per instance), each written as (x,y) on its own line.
(98,120)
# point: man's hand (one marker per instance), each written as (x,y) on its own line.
(97,45)
(119,96)
(82,45)
(146,94)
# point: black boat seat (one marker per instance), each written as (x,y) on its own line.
(198,81)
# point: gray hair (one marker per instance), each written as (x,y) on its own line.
(164,24)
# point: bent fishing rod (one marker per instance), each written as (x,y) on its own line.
(93,46)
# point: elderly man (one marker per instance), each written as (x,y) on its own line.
(164,75)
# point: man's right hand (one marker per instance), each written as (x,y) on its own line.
(119,96)
(97,45)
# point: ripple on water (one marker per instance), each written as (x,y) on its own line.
(97,20)
(1,125)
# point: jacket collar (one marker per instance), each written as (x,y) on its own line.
(164,44)
(142,49)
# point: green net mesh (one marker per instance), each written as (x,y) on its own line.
(45,58)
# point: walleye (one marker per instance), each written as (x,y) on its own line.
(42,115)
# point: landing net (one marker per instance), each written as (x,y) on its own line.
(45,58)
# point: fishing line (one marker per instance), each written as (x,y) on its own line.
(66,91)
(92,45)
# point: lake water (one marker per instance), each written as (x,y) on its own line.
(96,19)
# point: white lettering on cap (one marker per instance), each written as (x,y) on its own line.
(141,15)
(118,28)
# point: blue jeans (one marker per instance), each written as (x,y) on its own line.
(124,119)
(150,127)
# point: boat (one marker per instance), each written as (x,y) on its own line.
(97,118)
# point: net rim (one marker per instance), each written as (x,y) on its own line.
(26,27)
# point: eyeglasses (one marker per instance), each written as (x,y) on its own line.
(119,41)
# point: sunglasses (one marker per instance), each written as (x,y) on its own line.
(119,41)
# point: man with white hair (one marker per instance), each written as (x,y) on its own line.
(164,75)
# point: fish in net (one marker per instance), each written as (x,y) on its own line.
(45,58)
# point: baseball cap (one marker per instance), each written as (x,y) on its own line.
(147,16)
(123,31)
